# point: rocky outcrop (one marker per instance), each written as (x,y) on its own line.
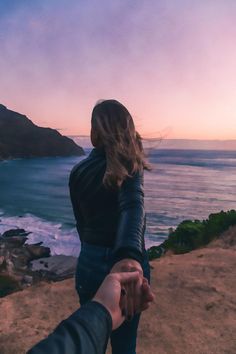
(23,264)
(56,267)
(20,137)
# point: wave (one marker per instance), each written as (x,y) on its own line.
(61,240)
(52,234)
(184,184)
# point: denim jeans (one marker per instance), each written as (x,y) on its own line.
(94,263)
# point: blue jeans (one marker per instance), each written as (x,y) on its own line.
(94,263)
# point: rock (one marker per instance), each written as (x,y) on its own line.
(2,263)
(20,137)
(37,251)
(16,271)
(14,237)
(15,233)
(38,243)
(15,254)
(56,267)
(15,241)
(10,267)
(27,279)
(21,256)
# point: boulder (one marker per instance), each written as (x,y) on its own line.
(14,237)
(15,241)
(15,233)
(36,251)
(27,279)
(56,267)
(16,271)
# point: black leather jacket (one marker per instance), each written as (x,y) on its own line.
(86,331)
(108,217)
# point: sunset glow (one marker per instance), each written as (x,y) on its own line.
(172,63)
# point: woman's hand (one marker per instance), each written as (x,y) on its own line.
(130,304)
(127,265)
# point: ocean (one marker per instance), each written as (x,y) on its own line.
(183,184)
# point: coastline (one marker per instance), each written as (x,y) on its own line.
(41,197)
(194,309)
(24,264)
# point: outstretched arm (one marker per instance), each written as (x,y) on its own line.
(129,241)
(86,331)
(74,199)
(129,245)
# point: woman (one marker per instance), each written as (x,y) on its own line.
(107,196)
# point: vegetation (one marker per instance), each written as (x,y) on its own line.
(190,235)
(7,285)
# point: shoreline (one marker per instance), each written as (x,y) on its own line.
(23,264)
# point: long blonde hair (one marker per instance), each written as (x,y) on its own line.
(112,129)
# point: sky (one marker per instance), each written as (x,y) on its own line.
(170,62)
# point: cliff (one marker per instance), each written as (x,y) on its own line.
(194,310)
(20,137)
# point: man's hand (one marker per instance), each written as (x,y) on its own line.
(110,295)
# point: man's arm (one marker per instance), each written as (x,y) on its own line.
(87,330)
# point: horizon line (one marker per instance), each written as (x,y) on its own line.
(194,139)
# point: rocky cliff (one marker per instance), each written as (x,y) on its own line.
(20,137)
(23,264)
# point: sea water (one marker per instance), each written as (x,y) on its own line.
(183,184)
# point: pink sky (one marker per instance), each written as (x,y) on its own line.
(172,63)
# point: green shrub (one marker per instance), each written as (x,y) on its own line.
(218,223)
(155,252)
(190,235)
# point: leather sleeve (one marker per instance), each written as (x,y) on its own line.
(74,200)
(87,330)
(129,241)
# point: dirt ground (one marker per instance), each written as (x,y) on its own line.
(194,312)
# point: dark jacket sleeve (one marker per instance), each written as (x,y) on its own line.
(74,199)
(87,330)
(132,219)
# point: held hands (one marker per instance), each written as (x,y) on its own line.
(131,303)
(112,294)
(127,265)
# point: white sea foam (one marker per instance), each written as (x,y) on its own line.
(184,184)
(59,240)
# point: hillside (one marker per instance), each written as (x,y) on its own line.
(194,311)
(20,137)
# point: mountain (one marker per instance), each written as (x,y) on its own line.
(20,137)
